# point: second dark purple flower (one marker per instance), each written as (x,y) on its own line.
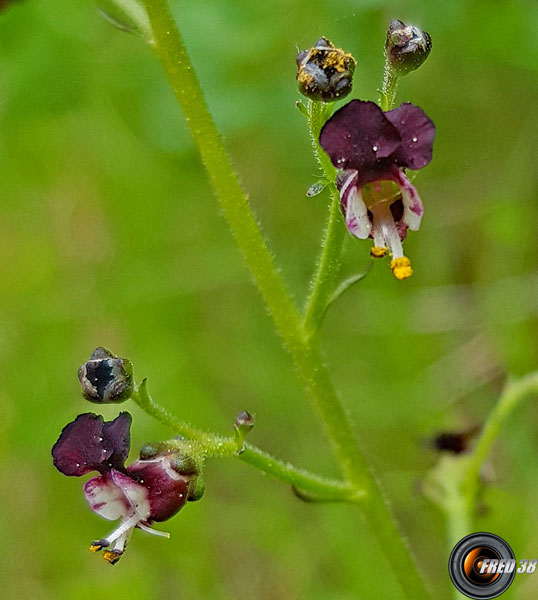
(153,488)
(373,148)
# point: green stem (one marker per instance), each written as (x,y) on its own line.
(512,395)
(461,488)
(390,87)
(299,478)
(458,525)
(308,361)
(329,261)
(212,445)
(316,117)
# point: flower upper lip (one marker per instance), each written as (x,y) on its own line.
(91,444)
(362,137)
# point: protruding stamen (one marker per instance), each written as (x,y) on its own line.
(385,231)
(123,527)
(401,268)
(119,537)
(112,556)
(99,545)
(378,251)
(153,531)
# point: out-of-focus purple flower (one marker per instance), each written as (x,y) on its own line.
(373,148)
(6,3)
(150,489)
(455,442)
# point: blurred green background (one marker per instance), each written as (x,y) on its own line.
(110,235)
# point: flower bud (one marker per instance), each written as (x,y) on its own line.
(407,47)
(325,72)
(242,427)
(105,378)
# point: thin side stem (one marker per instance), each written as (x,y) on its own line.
(319,486)
(513,394)
(461,489)
(212,445)
(328,265)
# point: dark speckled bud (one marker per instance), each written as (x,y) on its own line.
(407,47)
(105,378)
(325,72)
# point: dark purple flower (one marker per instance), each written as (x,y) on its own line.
(150,489)
(373,148)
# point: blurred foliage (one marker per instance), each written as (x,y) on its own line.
(111,236)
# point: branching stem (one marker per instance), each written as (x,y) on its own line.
(306,356)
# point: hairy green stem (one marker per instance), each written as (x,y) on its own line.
(242,222)
(212,445)
(329,261)
(307,359)
(390,87)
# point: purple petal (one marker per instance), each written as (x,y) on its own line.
(117,439)
(357,135)
(88,444)
(417,133)
(78,450)
(106,498)
(168,489)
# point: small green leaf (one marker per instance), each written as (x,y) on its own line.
(127,15)
(347,284)
(116,22)
(302,109)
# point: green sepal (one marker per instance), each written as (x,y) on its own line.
(302,109)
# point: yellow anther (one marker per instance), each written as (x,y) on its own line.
(96,547)
(112,556)
(378,251)
(401,268)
